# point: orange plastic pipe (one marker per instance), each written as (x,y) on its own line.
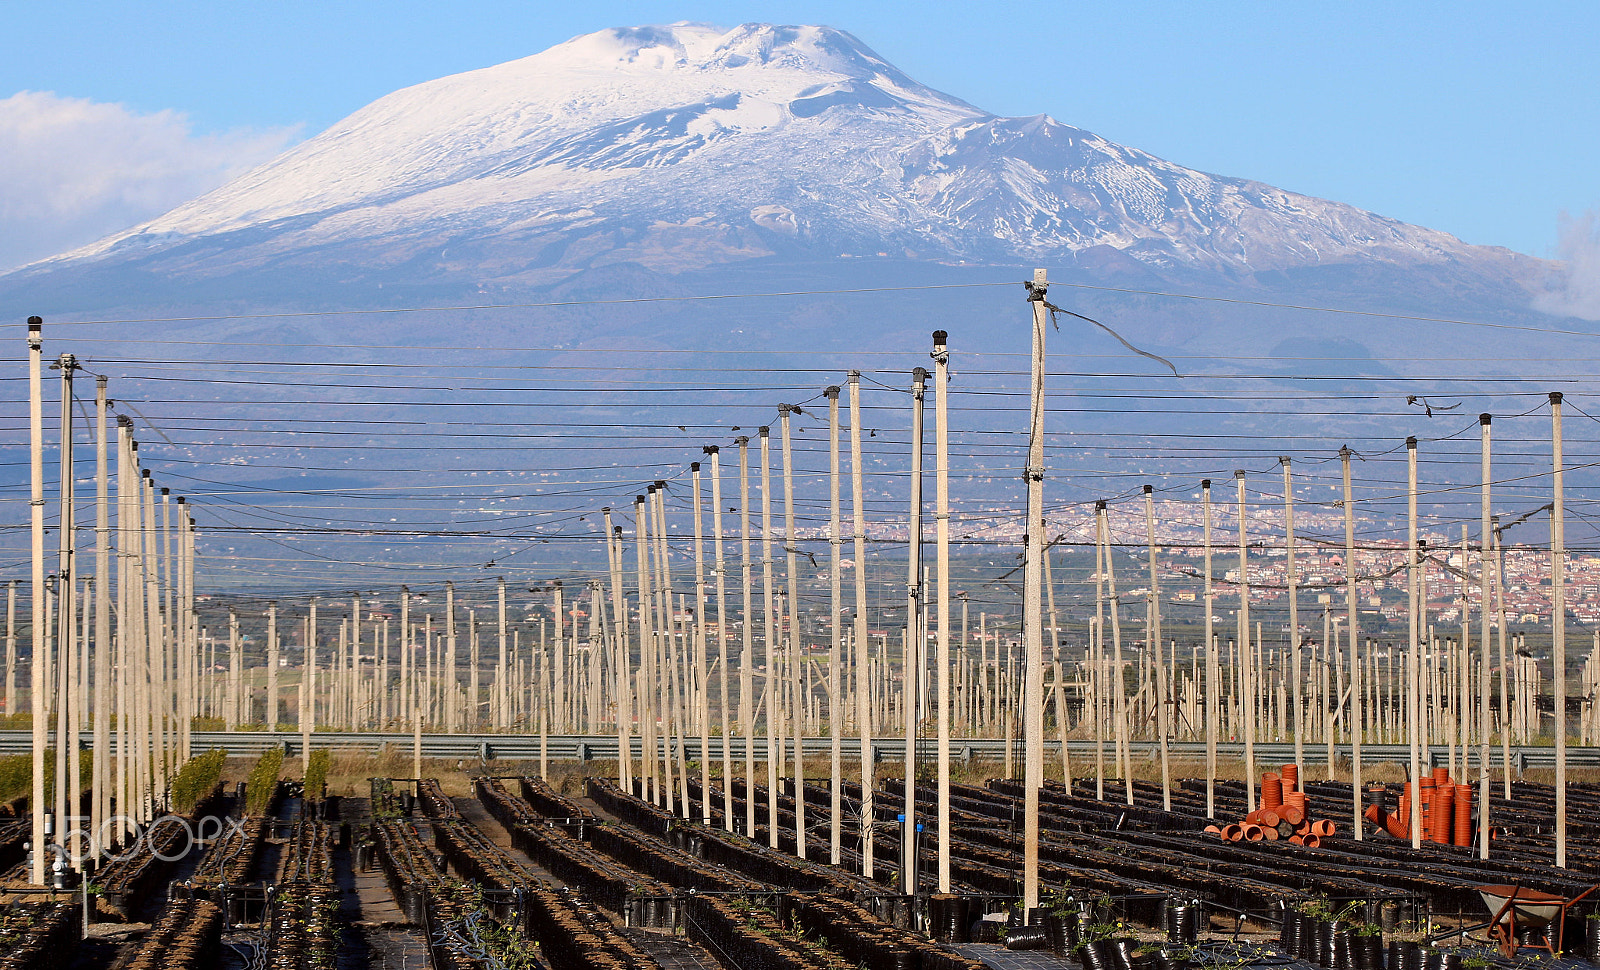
(1463,815)
(1393,824)
(1440,810)
(1271,791)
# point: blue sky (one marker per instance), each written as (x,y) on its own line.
(1479,119)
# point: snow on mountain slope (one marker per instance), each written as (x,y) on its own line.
(684,146)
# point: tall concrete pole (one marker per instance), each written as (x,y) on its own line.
(1558,623)
(407,688)
(771,624)
(941,458)
(38,693)
(701,673)
(273,659)
(235,706)
(621,664)
(863,680)
(1484,580)
(414,687)
(1505,670)
(645,707)
(167,608)
(104,767)
(1163,697)
(66,611)
(1032,607)
(1293,579)
(190,652)
(353,684)
(311,650)
(1357,823)
(747,639)
(725,674)
(667,695)
(1107,569)
(1213,668)
(794,641)
(836,641)
(664,649)
(501,668)
(1414,647)
(447,678)
(910,678)
(1247,694)
(144,615)
(11,648)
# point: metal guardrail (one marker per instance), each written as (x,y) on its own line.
(525,747)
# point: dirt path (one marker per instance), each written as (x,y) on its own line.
(673,952)
(473,811)
(376,933)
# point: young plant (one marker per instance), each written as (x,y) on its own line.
(198,776)
(1095,932)
(1063,903)
(263,779)
(316,778)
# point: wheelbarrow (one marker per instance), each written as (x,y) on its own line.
(1518,910)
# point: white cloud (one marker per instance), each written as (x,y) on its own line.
(74,170)
(1576,290)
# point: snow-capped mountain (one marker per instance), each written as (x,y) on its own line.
(687,146)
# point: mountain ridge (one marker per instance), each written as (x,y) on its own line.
(684,147)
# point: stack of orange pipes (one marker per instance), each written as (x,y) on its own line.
(1283,814)
(1446,811)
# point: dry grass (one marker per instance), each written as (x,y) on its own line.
(350,769)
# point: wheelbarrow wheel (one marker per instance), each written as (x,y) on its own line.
(1503,937)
